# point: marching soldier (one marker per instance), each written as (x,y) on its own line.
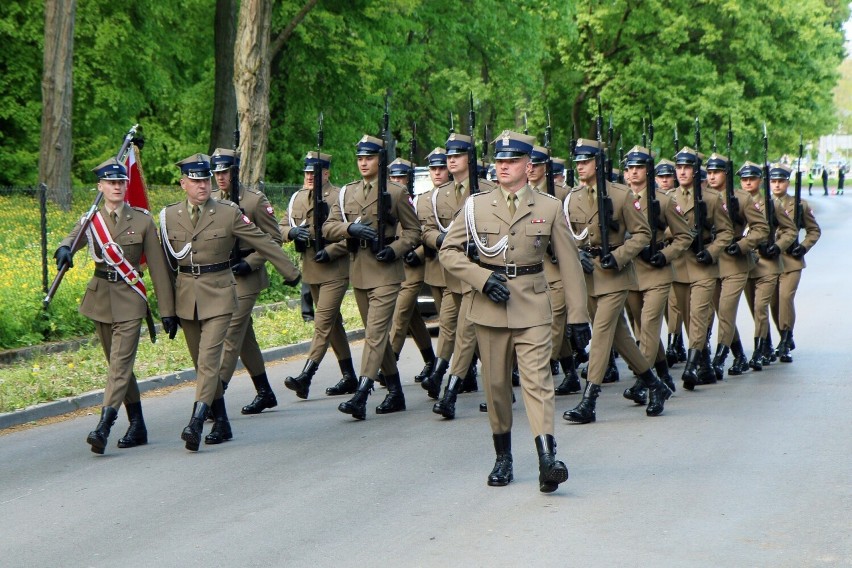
(608,277)
(664,174)
(558,168)
(376,276)
(326,272)
(406,317)
(696,272)
(510,307)
(750,230)
(116,299)
(783,301)
(198,235)
(251,277)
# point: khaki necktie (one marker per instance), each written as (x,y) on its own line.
(367,188)
(593,199)
(193,215)
(114,216)
(512,201)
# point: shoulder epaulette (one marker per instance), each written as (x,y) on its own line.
(553,197)
(173,204)
(448,184)
(352,183)
(141,210)
(227,202)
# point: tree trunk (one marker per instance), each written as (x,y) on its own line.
(251,80)
(54,165)
(224,95)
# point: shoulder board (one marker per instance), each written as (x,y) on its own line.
(352,182)
(227,202)
(173,204)
(574,189)
(553,197)
(256,192)
(141,210)
(450,183)
(618,186)
(396,185)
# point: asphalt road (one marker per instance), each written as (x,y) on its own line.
(751,472)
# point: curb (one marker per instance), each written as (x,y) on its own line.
(95,398)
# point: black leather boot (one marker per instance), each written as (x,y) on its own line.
(719,361)
(790,342)
(571,383)
(137,434)
(554,367)
(432,383)
(446,407)
(637,393)
(97,438)
(264,398)
(192,433)
(502,473)
(221,431)
(756,362)
(551,471)
(516,376)
(679,347)
(348,384)
(769,355)
(658,393)
(429,360)
(740,364)
(611,373)
(469,383)
(671,352)
(662,370)
(301,383)
(784,354)
(394,401)
(357,405)
(584,412)
(706,375)
(690,370)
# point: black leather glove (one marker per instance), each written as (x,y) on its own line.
(579,333)
(63,256)
(294,282)
(299,234)
(495,289)
(798,251)
(171,325)
(608,262)
(386,255)
(704,257)
(733,249)
(241,268)
(658,260)
(362,231)
(769,251)
(586,262)
(322,257)
(440,240)
(411,259)
(645,254)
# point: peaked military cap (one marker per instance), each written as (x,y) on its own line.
(437,158)
(369,146)
(223,159)
(399,167)
(312,159)
(586,149)
(512,145)
(492,171)
(637,156)
(614,176)
(717,162)
(703,174)
(111,169)
(687,156)
(196,166)
(558,166)
(458,144)
(750,170)
(665,168)
(539,155)
(780,171)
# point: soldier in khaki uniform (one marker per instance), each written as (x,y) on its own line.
(664,174)
(447,201)
(117,237)
(326,271)
(251,277)
(697,272)
(654,273)
(750,230)
(198,235)
(782,304)
(376,275)
(609,277)
(763,276)
(510,303)
(406,316)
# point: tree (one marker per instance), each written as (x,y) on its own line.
(224,95)
(56,150)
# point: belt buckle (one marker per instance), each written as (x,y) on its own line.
(112,276)
(195,270)
(511,270)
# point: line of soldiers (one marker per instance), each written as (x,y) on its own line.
(517,269)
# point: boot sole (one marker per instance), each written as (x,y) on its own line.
(573,420)
(132,443)
(192,443)
(551,482)
(444,412)
(97,446)
(295,387)
(248,409)
(391,410)
(213,441)
(501,482)
(353,413)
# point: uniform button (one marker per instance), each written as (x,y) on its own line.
(512,233)
(194,238)
(512,247)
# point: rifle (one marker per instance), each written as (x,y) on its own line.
(644,131)
(472,167)
(620,160)
(605,210)
(320,206)
(676,141)
(548,169)
(799,213)
(526,127)
(452,124)
(699,206)
(654,209)
(383,201)
(731,198)
(412,156)
(769,204)
(609,141)
(485,151)
(569,178)
(87,218)
(236,253)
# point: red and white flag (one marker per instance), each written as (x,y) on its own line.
(137,193)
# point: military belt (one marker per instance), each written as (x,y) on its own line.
(513,270)
(198,269)
(596,251)
(108,275)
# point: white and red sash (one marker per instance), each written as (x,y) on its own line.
(113,255)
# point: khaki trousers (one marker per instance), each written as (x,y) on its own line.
(783,300)
(407,319)
(205,340)
(695,302)
(376,307)
(241,342)
(465,344)
(328,322)
(727,301)
(758,293)
(120,341)
(647,308)
(609,329)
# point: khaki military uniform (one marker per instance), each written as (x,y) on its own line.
(240,340)
(406,317)
(118,310)
(608,288)
(328,281)
(522,324)
(433,274)
(206,300)
(376,284)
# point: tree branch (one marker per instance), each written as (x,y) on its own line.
(282,38)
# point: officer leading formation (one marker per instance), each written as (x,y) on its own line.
(533,270)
